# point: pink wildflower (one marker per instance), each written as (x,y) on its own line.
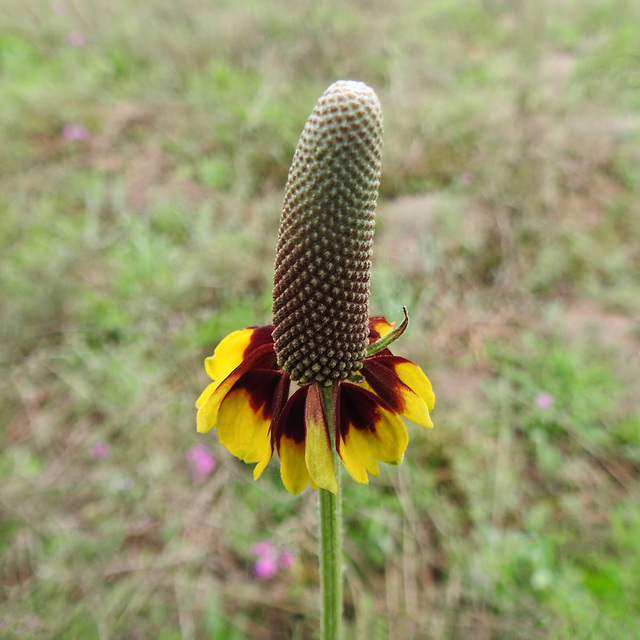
(264,548)
(100,450)
(74,132)
(265,568)
(544,400)
(286,559)
(201,462)
(270,560)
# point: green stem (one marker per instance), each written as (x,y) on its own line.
(331,543)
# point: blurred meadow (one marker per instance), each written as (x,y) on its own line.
(145,148)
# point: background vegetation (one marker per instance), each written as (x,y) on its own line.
(144,153)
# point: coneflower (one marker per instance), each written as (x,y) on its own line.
(322,337)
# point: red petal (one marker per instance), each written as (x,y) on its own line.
(259,337)
(262,387)
(356,407)
(402,385)
(378,372)
(290,422)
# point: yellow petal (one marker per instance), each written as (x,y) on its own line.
(206,394)
(318,454)
(208,407)
(293,467)
(228,354)
(413,376)
(244,430)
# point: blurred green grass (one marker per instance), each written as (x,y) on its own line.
(509,223)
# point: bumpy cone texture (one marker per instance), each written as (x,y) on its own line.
(323,256)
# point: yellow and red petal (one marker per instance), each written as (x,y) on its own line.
(242,430)
(244,417)
(379,327)
(402,385)
(262,357)
(318,455)
(210,400)
(228,354)
(369,430)
(235,348)
(289,439)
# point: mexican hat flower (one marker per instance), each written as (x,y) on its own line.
(321,378)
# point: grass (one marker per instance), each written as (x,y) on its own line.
(509,223)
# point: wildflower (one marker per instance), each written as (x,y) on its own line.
(201,462)
(544,400)
(264,548)
(77,39)
(249,405)
(74,132)
(100,450)
(270,383)
(269,560)
(286,559)
(265,568)
(266,565)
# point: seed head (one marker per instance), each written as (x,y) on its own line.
(323,256)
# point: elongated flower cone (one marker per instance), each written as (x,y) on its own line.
(323,255)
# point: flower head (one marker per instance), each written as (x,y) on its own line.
(544,400)
(286,559)
(322,339)
(100,450)
(74,132)
(264,548)
(249,405)
(270,559)
(265,568)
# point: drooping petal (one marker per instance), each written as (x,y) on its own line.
(369,430)
(244,417)
(235,348)
(242,431)
(206,394)
(318,454)
(228,354)
(289,438)
(402,385)
(413,376)
(210,400)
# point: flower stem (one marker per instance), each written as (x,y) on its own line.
(331,543)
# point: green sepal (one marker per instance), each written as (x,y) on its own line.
(392,336)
